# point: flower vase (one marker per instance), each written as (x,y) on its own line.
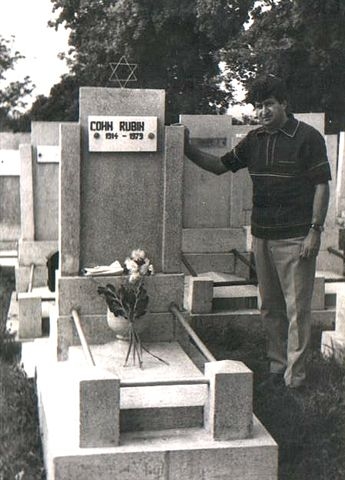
(119,325)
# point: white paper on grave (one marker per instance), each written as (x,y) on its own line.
(114,268)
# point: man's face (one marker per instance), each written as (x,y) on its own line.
(271,113)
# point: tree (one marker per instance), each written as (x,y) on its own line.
(12,95)
(302,41)
(175,44)
(62,103)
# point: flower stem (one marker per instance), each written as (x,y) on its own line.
(129,347)
(153,355)
(138,347)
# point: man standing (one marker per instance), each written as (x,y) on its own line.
(288,165)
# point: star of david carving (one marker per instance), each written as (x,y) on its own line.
(123,72)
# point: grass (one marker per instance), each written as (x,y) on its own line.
(309,428)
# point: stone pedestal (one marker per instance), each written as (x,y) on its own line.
(229,410)
(99,406)
(30,315)
(199,295)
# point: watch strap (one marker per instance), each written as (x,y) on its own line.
(317,227)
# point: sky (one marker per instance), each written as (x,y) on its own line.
(27,20)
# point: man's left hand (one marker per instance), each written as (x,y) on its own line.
(311,244)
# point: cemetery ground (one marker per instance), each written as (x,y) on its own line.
(309,427)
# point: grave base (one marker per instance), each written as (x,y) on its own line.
(186,454)
(162,436)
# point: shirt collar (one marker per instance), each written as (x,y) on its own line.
(290,127)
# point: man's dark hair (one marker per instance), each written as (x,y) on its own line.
(265,87)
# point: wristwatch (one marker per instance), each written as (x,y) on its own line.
(317,227)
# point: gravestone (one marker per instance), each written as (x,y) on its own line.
(125,194)
(120,190)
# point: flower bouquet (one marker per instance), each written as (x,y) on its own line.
(130,300)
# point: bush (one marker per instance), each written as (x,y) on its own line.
(20,443)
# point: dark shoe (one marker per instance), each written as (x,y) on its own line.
(275,380)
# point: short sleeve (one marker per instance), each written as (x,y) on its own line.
(316,160)
(237,158)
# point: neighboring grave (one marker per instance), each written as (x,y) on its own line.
(10,188)
(213,224)
(333,341)
(39,193)
(340,195)
(340,190)
(327,262)
(215,207)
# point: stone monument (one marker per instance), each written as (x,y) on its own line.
(39,169)
(190,418)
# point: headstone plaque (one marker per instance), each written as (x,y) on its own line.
(215,142)
(122,134)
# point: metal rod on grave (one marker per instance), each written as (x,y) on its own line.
(31,279)
(202,347)
(82,338)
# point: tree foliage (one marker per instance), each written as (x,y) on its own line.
(302,41)
(176,45)
(12,96)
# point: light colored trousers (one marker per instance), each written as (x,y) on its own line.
(286,284)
